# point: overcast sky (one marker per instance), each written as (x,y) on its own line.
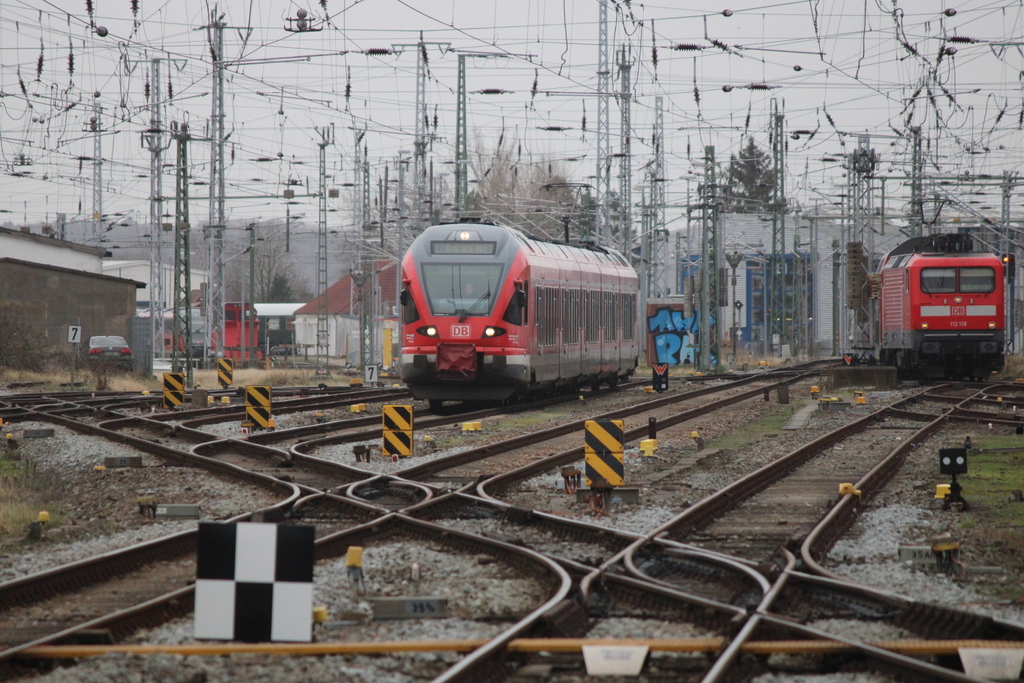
(835,68)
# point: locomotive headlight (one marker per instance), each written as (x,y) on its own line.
(924,326)
(493,331)
(429,331)
(992,325)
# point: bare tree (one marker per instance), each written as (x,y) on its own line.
(531,196)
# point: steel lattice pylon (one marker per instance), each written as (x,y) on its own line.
(215,288)
(604,144)
(322,322)
(709,262)
(181,353)
(860,246)
(777,308)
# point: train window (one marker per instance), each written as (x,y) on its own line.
(938,280)
(547,316)
(462,289)
(628,311)
(592,316)
(609,317)
(977,280)
(570,329)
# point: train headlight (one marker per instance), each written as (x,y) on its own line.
(924,326)
(429,331)
(992,325)
(493,331)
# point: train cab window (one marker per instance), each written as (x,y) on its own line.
(515,312)
(938,280)
(465,289)
(977,280)
(409,312)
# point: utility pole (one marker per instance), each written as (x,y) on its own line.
(626,156)
(777,307)
(860,248)
(708,357)
(96,127)
(658,234)
(154,141)
(323,330)
(215,294)
(365,279)
(604,146)
(423,137)
(1008,245)
(916,189)
(461,144)
(248,340)
(181,352)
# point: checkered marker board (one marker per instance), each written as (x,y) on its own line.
(254,582)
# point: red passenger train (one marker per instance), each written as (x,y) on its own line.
(942,309)
(490,313)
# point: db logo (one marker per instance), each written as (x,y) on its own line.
(460,330)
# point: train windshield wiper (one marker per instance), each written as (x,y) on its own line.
(469,311)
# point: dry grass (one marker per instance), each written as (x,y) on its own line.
(277,377)
(17,510)
(1012,368)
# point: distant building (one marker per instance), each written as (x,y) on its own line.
(48,298)
(140,270)
(343,303)
(25,245)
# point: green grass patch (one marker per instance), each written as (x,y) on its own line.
(994,479)
(768,425)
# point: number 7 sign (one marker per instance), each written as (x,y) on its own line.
(74,334)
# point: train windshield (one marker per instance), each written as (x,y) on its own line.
(461,289)
(977,280)
(938,280)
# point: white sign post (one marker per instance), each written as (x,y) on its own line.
(74,337)
(371,373)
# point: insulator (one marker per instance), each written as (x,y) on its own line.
(727,13)
(797,67)
(377,51)
(950,12)
(101,31)
(301,13)
(726,88)
(961,39)
(683,47)
(301,24)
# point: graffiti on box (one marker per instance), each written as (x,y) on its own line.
(672,335)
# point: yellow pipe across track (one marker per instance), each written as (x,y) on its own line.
(906,647)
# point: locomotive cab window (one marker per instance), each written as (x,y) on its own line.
(467,289)
(977,280)
(938,280)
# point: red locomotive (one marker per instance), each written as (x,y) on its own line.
(489,313)
(942,309)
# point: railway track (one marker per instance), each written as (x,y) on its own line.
(698,579)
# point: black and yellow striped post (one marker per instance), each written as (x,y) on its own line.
(257,407)
(603,449)
(225,372)
(174,390)
(397,431)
